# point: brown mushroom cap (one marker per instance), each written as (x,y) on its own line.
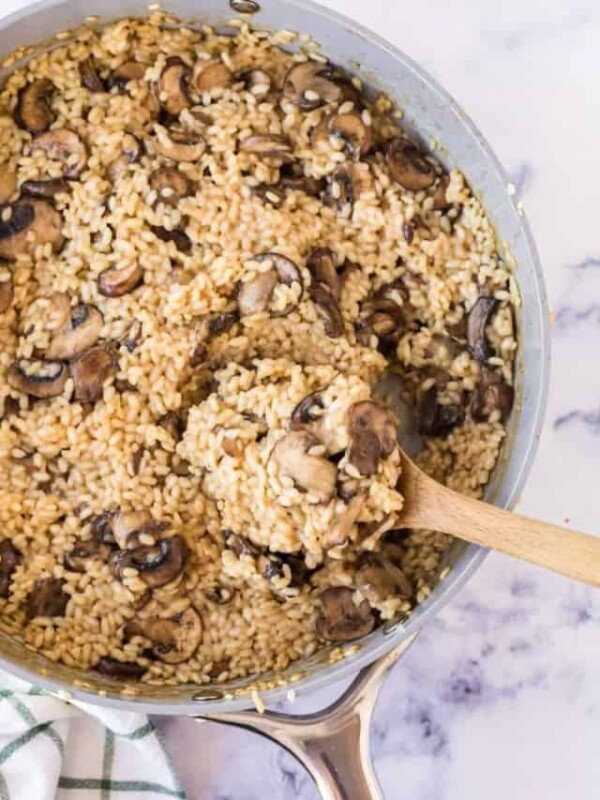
(172,86)
(440,196)
(179,145)
(309,85)
(116,282)
(132,150)
(309,411)
(182,241)
(255,294)
(493,394)
(7,293)
(33,111)
(408,166)
(8,184)
(81,332)
(347,183)
(338,535)
(128,526)
(478,319)
(321,265)
(157,564)
(32,223)
(113,668)
(127,72)
(47,599)
(351,129)
(88,72)
(378,579)
(436,419)
(46,188)
(64,146)
(209,75)
(41,379)
(10,558)
(176,639)
(372,433)
(341,620)
(328,309)
(315,474)
(78,558)
(256,81)
(90,371)
(170,185)
(268,145)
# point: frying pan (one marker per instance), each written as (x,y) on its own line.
(333,744)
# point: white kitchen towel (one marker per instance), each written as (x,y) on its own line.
(56,750)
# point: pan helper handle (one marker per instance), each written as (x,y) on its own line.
(333,744)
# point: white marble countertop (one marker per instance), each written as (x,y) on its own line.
(500,696)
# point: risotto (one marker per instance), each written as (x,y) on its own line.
(212,251)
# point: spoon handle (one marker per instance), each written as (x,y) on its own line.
(568,552)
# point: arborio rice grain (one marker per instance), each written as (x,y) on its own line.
(212,252)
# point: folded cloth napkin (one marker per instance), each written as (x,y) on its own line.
(56,750)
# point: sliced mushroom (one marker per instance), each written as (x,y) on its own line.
(157,564)
(113,668)
(477,321)
(338,535)
(309,85)
(173,424)
(128,526)
(8,184)
(182,241)
(254,295)
(33,111)
(309,411)
(41,379)
(383,318)
(170,185)
(268,145)
(46,188)
(7,293)
(179,145)
(347,183)
(436,419)
(64,146)
(321,265)
(239,544)
(378,579)
(328,309)
(90,78)
(291,176)
(408,166)
(209,75)
(127,72)
(341,620)
(256,81)
(493,394)
(90,371)
(349,128)
(440,199)
(315,474)
(173,86)
(176,639)
(218,594)
(77,559)
(31,223)
(272,195)
(47,599)
(372,433)
(81,332)
(116,282)
(10,558)
(102,528)
(132,150)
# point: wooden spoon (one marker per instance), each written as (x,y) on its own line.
(428,504)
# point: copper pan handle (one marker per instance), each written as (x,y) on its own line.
(333,744)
